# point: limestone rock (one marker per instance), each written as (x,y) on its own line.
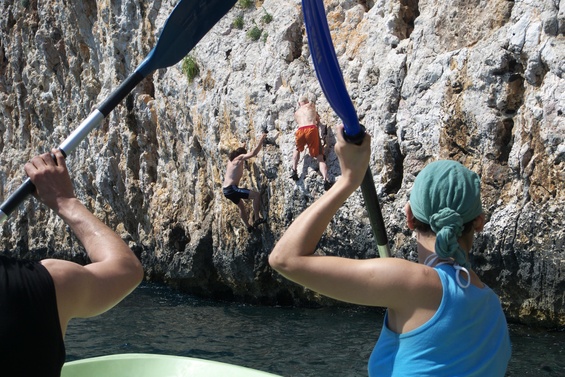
(478,81)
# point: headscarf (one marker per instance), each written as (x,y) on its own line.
(446,195)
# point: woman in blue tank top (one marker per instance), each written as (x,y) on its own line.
(441,320)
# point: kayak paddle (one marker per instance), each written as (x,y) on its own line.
(331,80)
(186,25)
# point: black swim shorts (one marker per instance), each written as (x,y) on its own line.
(235,194)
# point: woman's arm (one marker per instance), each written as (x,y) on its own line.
(83,291)
(376,282)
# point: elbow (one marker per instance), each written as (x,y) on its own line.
(135,271)
(277,261)
(139,274)
(287,257)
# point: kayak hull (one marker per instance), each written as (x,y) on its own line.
(152,365)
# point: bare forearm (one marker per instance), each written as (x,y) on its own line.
(303,235)
(305,232)
(258,147)
(99,241)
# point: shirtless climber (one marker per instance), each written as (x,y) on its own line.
(234,172)
(307,133)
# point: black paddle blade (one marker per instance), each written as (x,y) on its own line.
(187,24)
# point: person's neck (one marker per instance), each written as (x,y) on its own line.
(426,246)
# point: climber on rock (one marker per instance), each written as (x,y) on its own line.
(308,121)
(234,172)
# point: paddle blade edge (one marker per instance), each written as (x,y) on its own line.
(185,27)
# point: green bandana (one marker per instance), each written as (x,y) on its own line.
(446,195)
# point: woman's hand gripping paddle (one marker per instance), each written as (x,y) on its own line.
(186,25)
(331,80)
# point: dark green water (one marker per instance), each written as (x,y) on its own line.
(284,341)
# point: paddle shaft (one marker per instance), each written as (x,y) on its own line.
(375,215)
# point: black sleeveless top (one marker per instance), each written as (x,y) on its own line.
(31,343)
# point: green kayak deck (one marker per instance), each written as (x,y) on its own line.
(151,365)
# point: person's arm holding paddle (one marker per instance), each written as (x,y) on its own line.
(356,281)
(83,291)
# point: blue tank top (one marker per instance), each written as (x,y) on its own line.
(467,336)
(31,342)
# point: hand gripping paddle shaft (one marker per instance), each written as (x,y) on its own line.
(186,25)
(331,80)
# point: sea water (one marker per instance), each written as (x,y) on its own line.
(291,342)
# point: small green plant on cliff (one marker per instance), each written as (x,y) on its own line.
(254,33)
(238,22)
(190,67)
(267,18)
(245,4)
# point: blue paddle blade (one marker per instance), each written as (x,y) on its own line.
(331,80)
(327,67)
(187,24)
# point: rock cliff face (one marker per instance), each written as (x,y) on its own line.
(481,82)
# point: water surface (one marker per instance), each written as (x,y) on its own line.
(290,342)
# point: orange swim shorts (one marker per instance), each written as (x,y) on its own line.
(308,135)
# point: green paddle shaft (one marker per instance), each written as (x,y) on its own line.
(375,215)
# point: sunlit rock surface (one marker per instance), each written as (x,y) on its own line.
(481,82)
